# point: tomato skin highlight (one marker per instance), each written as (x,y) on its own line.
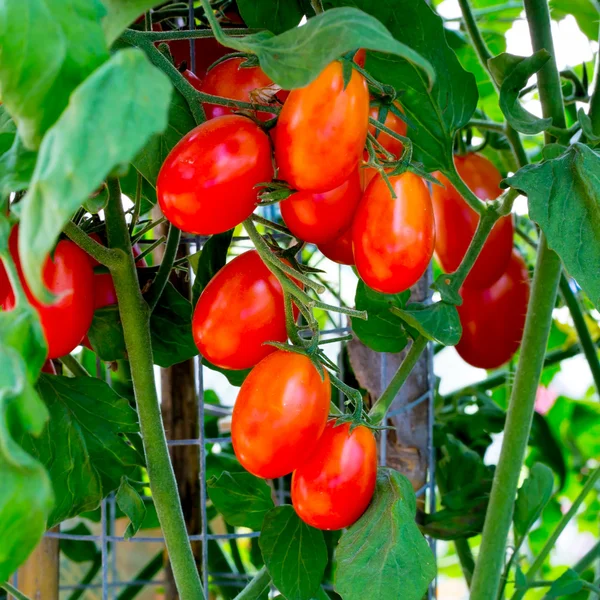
(493,319)
(334,487)
(393,239)
(321,131)
(340,249)
(68,275)
(239,310)
(322,217)
(280,413)
(456,222)
(206,184)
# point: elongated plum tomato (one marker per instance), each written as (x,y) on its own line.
(206,184)
(320,217)
(280,413)
(493,318)
(456,222)
(340,249)
(321,131)
(239,310)
(230,80)
(393,238)
(393,122)
(192,79)
(334,487)
(68,275)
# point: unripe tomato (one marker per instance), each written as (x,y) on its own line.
(493,318)
(320,217)
(340,249)
(239,310)
(456,222)
(280,413)
(393,238)
(68,275)
(321,131)
(229,79)
(207,182)
(333,488)
(393,122)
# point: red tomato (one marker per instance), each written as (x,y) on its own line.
(280,413)
(230,80)
(340,249)
(192,79)
(321,131)
(493,318)
(69,276)
(49,368)
(322,217)
(334,487)
(393,122)
(207,182)
(393,239)
(207,51)
(456,222)
(239,310)
(360,57)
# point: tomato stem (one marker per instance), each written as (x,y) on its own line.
(166,36)
(166,266)
(255,589)
(105,256)
(463,189)
(73,366)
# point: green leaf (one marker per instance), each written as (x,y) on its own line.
(132,505)
(295,554)
(586,127)
(129,188)
(106,334)
(241,498)
(568,583)
(448,524)
(129,97)
(274,15)
(513,73)
(79,551)
(235,377)
(438,322)
(532,497)
(45,52)
(209,261)
(120,14)
(382,331)
(384,551)
(564,200)
(82,445)
(294,58)
(16,168)
(584,11)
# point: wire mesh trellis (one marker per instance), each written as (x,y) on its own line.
(112,581)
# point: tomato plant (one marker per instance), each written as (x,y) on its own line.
(339,250)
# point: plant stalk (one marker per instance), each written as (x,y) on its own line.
(162,277)
(254,590)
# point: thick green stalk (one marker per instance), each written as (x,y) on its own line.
(105,256)
(135,316)
(162,277)
(13,591)
(254,590)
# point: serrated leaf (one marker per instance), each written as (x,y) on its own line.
(130,98)
(274,15)
(568,583)
(132,505)
(438,322)
(384,551)
(532,497)
(295,554)
(209,261)
(241,498)
(564,200)
(295,58)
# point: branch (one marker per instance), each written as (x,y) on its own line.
(166,266)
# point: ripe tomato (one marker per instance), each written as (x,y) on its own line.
(49,368)
(207,51)
(333,488)
(68,275)
(239,310)
(456,222)
(393,122)
(493,318)
(320,217)
(340,249)
(360,57)
(192,79)
(206,184)
(230,80)
(393,239)
(280,413)
(321,131)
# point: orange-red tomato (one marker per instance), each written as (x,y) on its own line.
(192,79)
(229,79)
(456,222)
(207,182)
(68,275)
(393,238)
(207,51)
(280,413)
(239,310)
(49,368)
(393,122)
(334,487)
(340,249)
(320,217)
(360,57)
(321,131)
(493,318)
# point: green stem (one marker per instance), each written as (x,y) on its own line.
(135,317)
(486,125)
(256,587)
(135,217)
(13,591)
(271,225)
(594,111)
(463,189)
(317,6)
(465,557)
(73,366)
(590,556)
(166,266)
(160,36)
(380,408)
(583,333)
(105,256)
